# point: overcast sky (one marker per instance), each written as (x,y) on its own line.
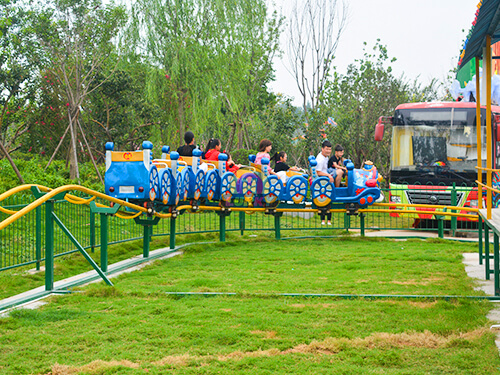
(425,36)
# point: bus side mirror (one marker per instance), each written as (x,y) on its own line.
(379,129)
(496,122)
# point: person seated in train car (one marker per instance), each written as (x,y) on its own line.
(213,149)
(265,147)
(187,149)
(336,164)
(281,167)
(322,171)
(322,160)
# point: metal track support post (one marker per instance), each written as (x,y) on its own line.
(480,238)
(146,241)
(440,226)
(496,264)
(277,225)
(172,232)
(362,223)
(92,232)
(104,242)
(453,203)
(38,249)
(242,222)
(487,251)
(222,227)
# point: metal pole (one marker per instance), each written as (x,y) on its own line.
(222,227)
(496,272)
(277,226)
(146,241)
(480,238)
(242,222)
(479,140)
(440,226)
(92,231)
(489,163)
(487,251)
(362,222)
(38,237)
(49,245)
(172,232)
(453,203)
(347,222)
(104,242)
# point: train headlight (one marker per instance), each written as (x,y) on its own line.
(141,189)
(111,189)
(395,199)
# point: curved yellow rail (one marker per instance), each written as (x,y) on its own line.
(52,193)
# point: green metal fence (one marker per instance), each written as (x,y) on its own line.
(23,242)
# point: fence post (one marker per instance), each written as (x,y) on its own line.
(496,272)
(92,231)
(453,203)
(277,225)
(242,222)
(104,242)
(222,226)
(480,238)
(347,222)
(362,223)
(49,245)
(487,251)
(440,226)
(146,241)
(38,249)
(172,232)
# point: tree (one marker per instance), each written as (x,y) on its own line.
(216,57)
(358,98)
(14,78)
(75,40)
(314,33)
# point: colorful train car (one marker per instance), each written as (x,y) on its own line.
(172,179)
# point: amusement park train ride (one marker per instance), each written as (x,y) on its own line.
(163,184)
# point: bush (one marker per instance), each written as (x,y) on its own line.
(56,175)
(241,156)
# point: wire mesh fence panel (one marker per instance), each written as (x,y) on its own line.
(23,241)
(18,241)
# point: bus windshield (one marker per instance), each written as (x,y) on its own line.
(444,137)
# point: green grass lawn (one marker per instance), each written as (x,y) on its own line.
(136,327)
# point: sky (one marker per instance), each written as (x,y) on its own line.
(425,36)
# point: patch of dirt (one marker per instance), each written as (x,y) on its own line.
(423,305)
(329,346)
(266,334)
(94,366)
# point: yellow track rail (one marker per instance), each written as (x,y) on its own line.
(50,193)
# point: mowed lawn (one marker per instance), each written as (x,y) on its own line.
(137,328)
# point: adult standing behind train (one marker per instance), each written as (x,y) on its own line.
(187,149)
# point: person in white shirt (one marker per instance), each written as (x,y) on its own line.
(322,170)
(322,160)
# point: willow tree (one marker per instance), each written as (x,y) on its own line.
(213,54)
(75,40)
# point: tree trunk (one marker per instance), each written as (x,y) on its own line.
(73,159)
(180,115)
(12,163)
